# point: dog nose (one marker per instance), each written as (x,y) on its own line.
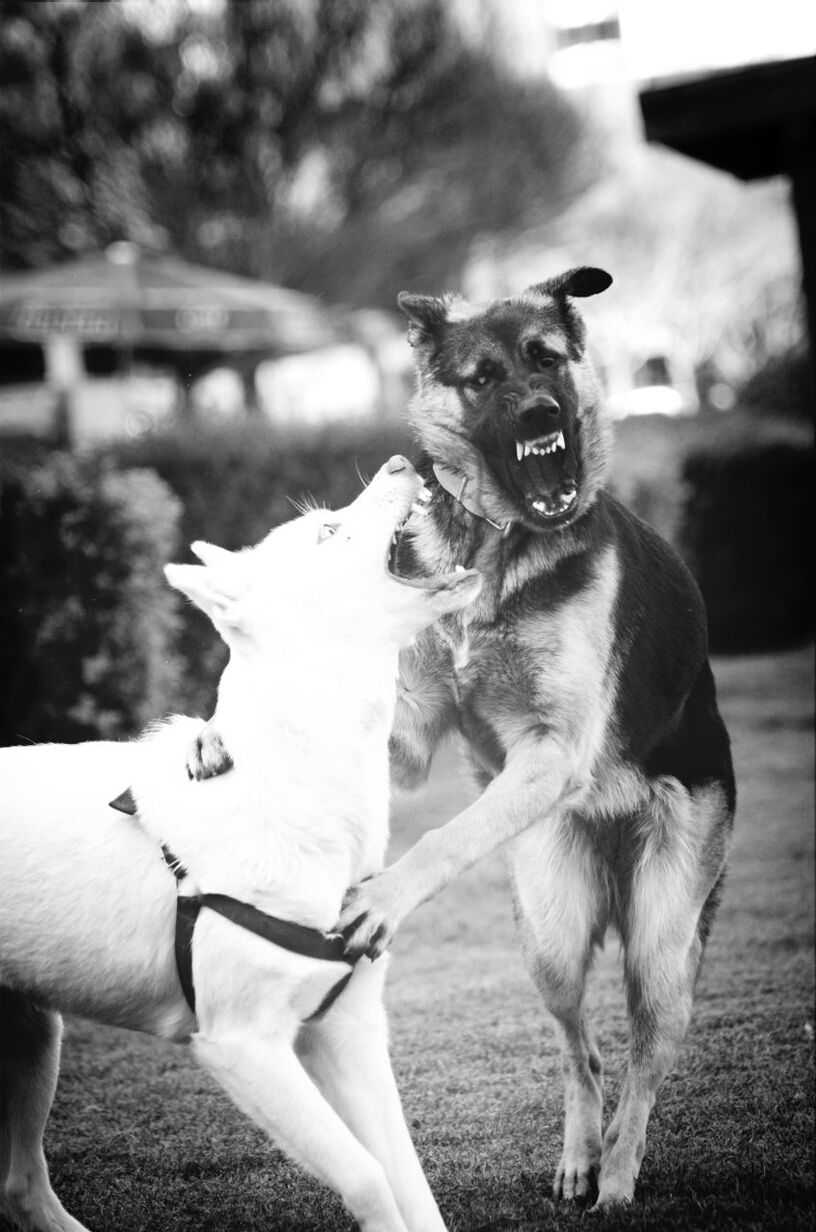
(542,415)
(397,463)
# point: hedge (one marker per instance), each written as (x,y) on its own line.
(94,643)
(88,619)
(734,493)
(747,533)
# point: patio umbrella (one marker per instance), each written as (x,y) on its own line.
(123,298)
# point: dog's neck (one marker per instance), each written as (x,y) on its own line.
(464,492)
(320,724)
(303,702)
(452,535)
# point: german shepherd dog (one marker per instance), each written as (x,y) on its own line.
(580,681)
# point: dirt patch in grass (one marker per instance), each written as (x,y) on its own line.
(141,1141)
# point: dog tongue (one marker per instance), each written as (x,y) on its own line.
(550,473)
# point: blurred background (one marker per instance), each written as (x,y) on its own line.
(208,208)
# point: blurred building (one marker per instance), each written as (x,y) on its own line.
(118,343)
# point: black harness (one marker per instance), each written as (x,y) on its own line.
(297,938)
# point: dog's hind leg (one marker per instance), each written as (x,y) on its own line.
(346,1054)
(561,902)
(666,905)
(265,1078)
(29,1066)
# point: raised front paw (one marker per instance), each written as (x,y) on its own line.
(371,914)
(207,755)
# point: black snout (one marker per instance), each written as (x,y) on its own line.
(541,416)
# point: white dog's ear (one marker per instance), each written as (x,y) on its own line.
(215,591)
(210,554)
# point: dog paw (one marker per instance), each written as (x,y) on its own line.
(207,756)
(369,918)
(614,1193)
(576,1181)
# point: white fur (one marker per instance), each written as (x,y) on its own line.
(314,624)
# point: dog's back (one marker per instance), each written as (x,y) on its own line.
(76,879)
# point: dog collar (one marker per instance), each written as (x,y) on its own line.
(454,483)
(297,938)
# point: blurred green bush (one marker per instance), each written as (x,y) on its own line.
(747,533)
(734,493)
(88,620)
(782,385)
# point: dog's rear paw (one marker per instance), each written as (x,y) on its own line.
(207,756)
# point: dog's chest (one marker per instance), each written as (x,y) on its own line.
(492,682)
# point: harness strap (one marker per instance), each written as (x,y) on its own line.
(187,910)
(297,938)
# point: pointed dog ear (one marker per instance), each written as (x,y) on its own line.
(209,589)
(580,282)
(426,316)
(210,554)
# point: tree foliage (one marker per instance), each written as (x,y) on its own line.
(334,145)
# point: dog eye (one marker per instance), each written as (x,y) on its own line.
(488,372)
(326,531)
(540,357)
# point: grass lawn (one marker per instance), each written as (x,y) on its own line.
(141,1141)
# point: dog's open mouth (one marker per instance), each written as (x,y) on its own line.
(545,470)
(399,548)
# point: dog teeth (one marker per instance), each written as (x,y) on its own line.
(459,569)
(547,444)
(419,511)
(424,496)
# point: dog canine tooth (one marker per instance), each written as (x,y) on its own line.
(560,443)
(528,449)
(519,450)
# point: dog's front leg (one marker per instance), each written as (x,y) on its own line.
(265,1078)
(539,774)
(346,1054)
(425,710)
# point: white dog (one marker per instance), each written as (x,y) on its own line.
(314,620)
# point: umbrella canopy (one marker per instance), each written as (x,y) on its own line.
(124,298)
